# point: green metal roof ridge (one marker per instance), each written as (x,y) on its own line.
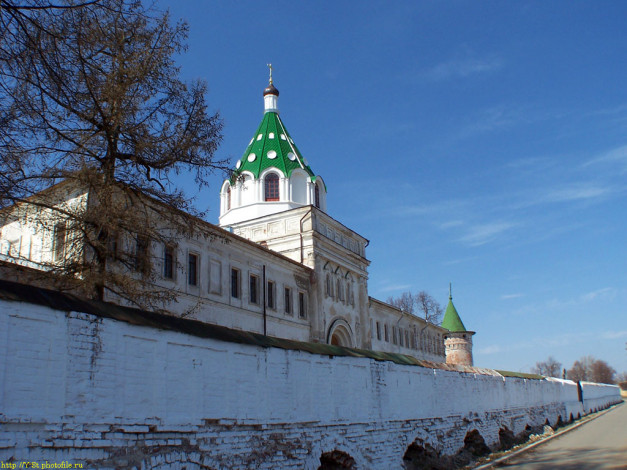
(281,143)
(452,321)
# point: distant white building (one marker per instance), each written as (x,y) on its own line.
(288,270)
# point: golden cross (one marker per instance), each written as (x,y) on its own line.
(270,67)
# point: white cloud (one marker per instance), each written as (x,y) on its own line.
(493,349)
(604,293)
(395,287)
(481,234)
(575,193)
(511,296)
(615,334)
(490,119)
(462,68)
(618,154)
(451,224)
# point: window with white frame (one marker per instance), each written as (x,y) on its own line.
(271,183)
(270,295)
(253,289)
(60,239)
(287,300)
(235,283)
(168,262)
(302,305)
(192,269)
(141,260)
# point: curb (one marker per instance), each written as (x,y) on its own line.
(529,447)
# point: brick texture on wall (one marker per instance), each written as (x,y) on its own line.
(110,394)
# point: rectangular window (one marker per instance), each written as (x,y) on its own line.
(302,305)
(60,233)
(400,336)
(406,338)
(112,246)
(168,262)
(288,300)
(379,331)
(385,330)
(192,269)
(270,295)
(235,283)
(393,335)
(141,261)
(253,289)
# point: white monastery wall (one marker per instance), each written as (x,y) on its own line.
(395,331)
(107,394)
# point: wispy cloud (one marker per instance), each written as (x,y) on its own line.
(462,68)
(615,334)
(604,293)
(615,155)
(489,120)
(451,224)
(481,234)
(459,261)
(395,287)
(492,349)
(511,296)
(575,193)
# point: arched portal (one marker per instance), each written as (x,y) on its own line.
(340,334)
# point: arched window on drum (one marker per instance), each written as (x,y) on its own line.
(271,187)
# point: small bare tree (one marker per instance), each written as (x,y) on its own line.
(421,304)
(90,97)
(405,302)
(429,307)
(549,368)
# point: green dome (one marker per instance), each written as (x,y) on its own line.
(272,146)
(451,321)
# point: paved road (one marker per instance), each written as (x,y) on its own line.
(599,444)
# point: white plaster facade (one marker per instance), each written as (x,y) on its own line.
(283,267)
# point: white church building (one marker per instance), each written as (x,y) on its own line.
(289,269)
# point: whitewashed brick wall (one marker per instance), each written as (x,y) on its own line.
(109,394)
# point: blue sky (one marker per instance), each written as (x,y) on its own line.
(478,143)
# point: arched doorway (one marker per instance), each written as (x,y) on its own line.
(340,334)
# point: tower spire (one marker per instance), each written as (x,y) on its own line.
(270,95)
(450,291)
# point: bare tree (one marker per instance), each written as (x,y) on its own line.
(429,307)
(91,97)
(405,302)
(602,372)
(421,304)
(549,368)
(591,369)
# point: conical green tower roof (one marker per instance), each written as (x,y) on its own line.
(272,146)
(452,321)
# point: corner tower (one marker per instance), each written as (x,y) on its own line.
(272,176)
(458,340)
